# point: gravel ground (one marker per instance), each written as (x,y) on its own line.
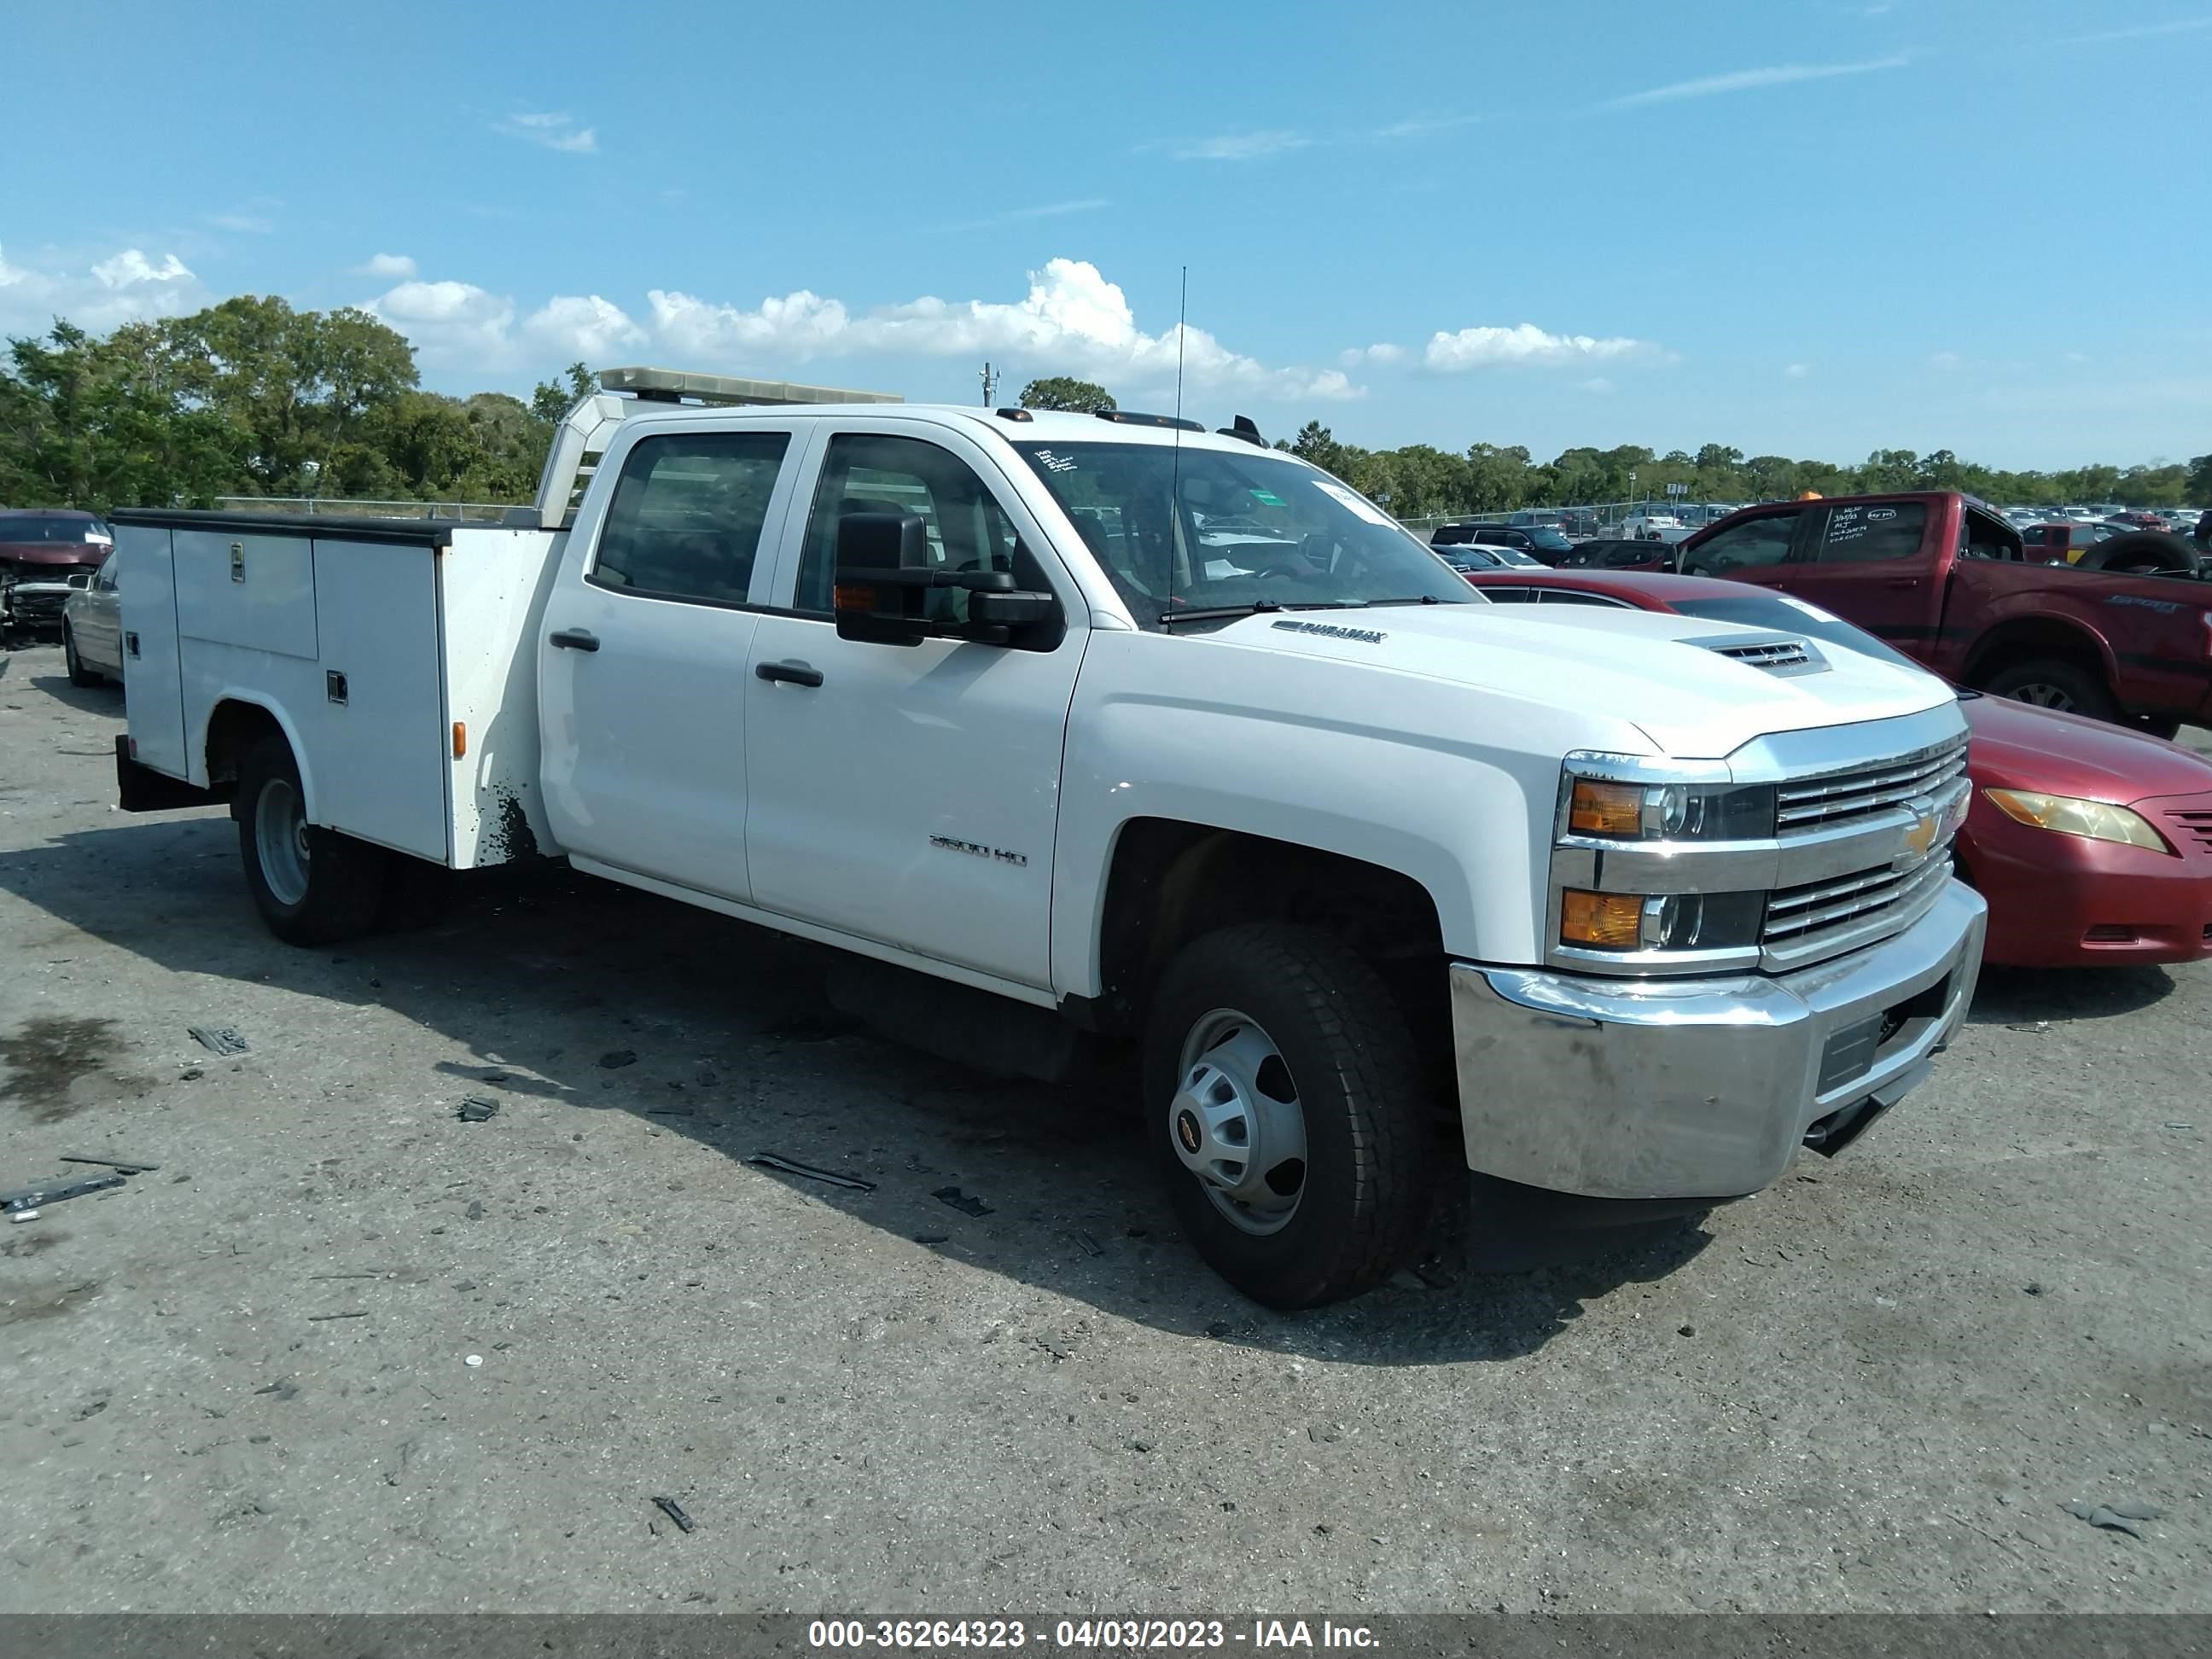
(245,1381)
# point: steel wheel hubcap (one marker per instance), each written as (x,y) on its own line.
(280,837)
(1236,1124)
(2043,696)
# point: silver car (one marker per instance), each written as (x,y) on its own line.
(92,627)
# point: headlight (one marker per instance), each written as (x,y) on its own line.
(2093,820)
(1670,921)
(1669,811)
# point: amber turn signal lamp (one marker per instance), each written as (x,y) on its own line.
(1605,808)
(1609,921)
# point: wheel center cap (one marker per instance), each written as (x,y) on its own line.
(1187,1132)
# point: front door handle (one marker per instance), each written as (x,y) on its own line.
(576,639)
(792,673)
(1902,581)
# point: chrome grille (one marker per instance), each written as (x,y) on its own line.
(1818,803)
(1796,915)
(2197,825)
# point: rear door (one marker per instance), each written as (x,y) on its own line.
(1866,561)
(909,794)
(643,681)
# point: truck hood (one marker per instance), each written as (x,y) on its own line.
(1655,670)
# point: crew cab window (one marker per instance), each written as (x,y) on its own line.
(687,515)
(1868,534)
(966,527)
(1762,541)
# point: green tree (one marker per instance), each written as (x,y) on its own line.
(553,399)
(1065,391)
(2197,487)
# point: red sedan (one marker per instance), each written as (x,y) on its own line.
(2092,844)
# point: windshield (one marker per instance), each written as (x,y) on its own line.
(1247,532)
(33,527)
(1792,616)
(1552,541)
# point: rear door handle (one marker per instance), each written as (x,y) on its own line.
(576,639)
(792,673)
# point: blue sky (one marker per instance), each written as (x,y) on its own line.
(1792,226)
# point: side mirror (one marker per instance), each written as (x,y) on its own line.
(883,581)
(81,582)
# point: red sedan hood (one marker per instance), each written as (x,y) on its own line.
(2018,746)
(71,553)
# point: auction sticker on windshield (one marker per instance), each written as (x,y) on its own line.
(1351,499)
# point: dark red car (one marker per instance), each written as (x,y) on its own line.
(2092,844)
(40,549)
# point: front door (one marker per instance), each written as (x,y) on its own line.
(1863,561)
(1755,550)
(909,794)
(642,679)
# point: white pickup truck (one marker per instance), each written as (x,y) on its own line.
(1079,729)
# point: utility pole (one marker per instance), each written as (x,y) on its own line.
(990,385)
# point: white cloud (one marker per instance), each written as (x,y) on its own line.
(1945,361)
(1239,146)
(553,131)
(1750,80)
(582,326)
(460,326)
(1384,353)
(1490,348)
(1597,385)
(1798,371)
(1023,215)
(127,287)
(130,267)
(1072,320)
(2140,32)
(397,266)
(448,322)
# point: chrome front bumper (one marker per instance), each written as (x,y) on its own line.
(1701,1088)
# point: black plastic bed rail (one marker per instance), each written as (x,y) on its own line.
(330,526)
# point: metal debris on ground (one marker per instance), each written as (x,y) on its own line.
(218,1039)
(477,1109)
(356,1313)
(2114,1517)
(674,1511)
(961,1201)
(2037,1028)
(770,1161)
(26,1201)
(120,1165)
(619,1059)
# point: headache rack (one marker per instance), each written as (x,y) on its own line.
(589,426)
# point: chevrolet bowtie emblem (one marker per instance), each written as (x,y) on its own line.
(1920,834)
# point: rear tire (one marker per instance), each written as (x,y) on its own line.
(1279,1043)
(2054,683)
(312,886)
(78,673)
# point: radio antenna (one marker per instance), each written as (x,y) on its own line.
(1174,468)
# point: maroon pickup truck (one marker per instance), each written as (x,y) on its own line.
(1947,581)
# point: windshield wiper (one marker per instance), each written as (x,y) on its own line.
(1418,598)
(1258,607)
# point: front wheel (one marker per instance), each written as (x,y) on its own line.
(1285,1096)
(312,886)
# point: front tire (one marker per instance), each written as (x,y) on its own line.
(1284,1094)
(78,673)
(2055,683)
(312,886)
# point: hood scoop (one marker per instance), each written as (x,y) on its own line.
(1786,656)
